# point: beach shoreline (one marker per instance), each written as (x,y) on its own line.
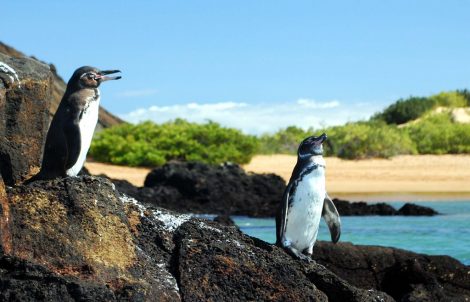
(401,178)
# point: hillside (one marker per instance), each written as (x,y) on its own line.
(105,120)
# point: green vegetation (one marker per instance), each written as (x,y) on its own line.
(285,141)
(149,144)
(405,110)
(369,139)
(409,126)
(421,131)
(437,134)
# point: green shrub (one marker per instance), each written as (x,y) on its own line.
(466,94)
(437,134)
(352,141)
(405,110)
(368,140)
(449,99)
(149,144)
(285,141)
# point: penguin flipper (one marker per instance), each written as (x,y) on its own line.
(331,216)
(281,219)
(74,141)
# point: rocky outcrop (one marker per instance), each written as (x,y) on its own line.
(78,239)
(409,209)
(347,208)
(200,188)
(404,275)
(228,190)
(105,120)
(25,93)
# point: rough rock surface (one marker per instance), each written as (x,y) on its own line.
(346,208)
(105,119)
(78,239)
(404,275)
(24,117)
(200,188)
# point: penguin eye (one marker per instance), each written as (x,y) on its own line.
(90,76)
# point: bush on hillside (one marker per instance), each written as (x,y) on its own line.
(150,144)
(405,110)
(449,99)
(437,134)
(466,94)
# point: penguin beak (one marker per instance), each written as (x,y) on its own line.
(103,75)
(321,139)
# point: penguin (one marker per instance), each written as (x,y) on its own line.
(72,127)
(304,201)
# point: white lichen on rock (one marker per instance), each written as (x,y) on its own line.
(170,222)
(202,225)
(10,72)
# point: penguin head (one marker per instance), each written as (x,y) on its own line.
(90,77)
(312,145)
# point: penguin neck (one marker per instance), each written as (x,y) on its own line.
(315,160)
(318,160)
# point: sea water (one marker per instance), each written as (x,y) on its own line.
(445,234)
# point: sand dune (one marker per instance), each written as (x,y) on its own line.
(408,177)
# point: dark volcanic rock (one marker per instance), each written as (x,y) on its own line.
(409,209)
(216,263)
(78,239)
(404,275)
(228,190)
(346,208)
(24,117)
(200,188)
(224,220)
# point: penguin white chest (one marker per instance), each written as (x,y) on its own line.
(304,213)
(87,124)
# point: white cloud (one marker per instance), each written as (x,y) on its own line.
(137,93)
(309,103)
(256,118)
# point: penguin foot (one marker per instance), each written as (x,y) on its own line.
(298,255)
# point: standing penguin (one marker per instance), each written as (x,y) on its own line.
(72,127)
(305,200)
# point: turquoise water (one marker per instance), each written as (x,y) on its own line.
(447,234)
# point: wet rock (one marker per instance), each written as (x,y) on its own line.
(24,116)
(409,209)
(404,275)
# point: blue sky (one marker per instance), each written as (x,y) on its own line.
(254,65)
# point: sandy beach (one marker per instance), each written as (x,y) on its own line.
(408,177)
